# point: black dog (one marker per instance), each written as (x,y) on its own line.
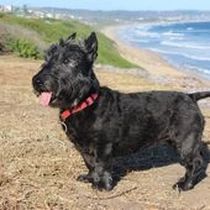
(103,123)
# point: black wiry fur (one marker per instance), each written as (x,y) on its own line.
(117,123)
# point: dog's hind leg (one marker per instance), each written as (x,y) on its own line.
(192,160)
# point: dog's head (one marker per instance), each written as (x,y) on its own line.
(66,77)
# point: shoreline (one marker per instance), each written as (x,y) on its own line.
(155,65)
(141,57)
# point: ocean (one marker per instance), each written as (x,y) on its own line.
(184,45)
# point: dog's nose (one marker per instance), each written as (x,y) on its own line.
(37,83)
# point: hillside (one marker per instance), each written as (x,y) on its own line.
(30,37)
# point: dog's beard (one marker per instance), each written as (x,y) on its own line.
(67,93)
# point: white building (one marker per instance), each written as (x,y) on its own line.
(6,8)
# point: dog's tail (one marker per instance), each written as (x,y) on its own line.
(199,95)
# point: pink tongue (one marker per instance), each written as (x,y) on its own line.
(44,98)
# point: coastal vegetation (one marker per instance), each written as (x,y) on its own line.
(29,37)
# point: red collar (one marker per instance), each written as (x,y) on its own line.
(87,102)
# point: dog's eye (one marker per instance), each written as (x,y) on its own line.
(65,61)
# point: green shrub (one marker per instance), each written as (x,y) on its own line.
(2,15)
(23,48)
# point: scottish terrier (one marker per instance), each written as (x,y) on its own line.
(104,124)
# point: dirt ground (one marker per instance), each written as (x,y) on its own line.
(38,165)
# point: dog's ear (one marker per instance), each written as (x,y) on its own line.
(91,44)
(71,37)
(61,42)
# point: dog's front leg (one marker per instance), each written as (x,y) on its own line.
(89,162)
(102,177)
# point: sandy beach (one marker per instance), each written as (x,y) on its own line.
(158,69)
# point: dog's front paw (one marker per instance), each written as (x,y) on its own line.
(105,183)
(108,187)
(86,178)
(97,186)
(108,181)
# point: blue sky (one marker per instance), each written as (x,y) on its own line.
(117,4)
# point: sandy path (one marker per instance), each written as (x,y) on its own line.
(38,165)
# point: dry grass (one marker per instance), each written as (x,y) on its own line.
(38,165)
(19,32)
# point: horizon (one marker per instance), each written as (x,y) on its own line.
(109,5)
